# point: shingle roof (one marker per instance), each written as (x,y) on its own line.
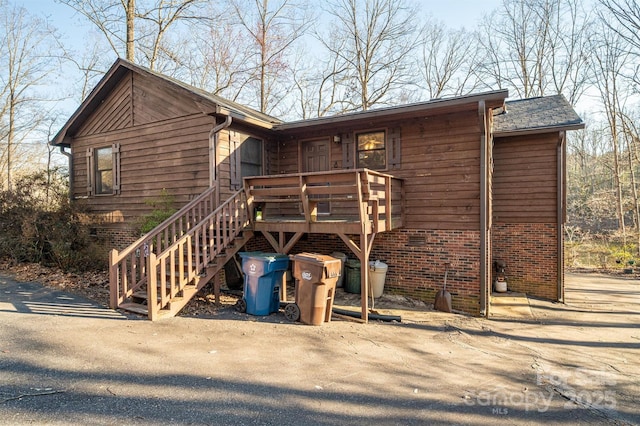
(552,113)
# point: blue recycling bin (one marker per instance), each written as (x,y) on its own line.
(263,273)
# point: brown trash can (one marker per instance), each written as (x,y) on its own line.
(316,276)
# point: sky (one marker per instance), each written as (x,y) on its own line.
(454,13)
(74,28)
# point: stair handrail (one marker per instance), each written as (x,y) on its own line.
(166,232)
(199,246)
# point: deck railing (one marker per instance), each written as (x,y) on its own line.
(179,265)
(372,198)
(127,268)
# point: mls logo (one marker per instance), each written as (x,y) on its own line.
(306,276)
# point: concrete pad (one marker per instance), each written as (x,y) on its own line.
(510,305)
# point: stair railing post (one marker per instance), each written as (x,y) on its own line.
(152,286)
(114,284)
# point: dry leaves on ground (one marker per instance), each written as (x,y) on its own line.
(93,285)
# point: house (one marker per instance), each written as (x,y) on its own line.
(462,181)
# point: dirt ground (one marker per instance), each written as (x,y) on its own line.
(67,360)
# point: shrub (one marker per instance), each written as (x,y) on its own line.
(162,210)
(39,224)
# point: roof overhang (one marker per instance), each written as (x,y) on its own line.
(492,99)
(538,130)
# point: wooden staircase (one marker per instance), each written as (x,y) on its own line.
(158,274)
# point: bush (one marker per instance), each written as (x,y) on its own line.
(162,210)
(39,224)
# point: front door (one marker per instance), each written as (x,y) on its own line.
(315,158)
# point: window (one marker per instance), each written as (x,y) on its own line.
(103,170)
(371,150)
(251,157)
(245,159)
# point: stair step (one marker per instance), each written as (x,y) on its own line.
(135,308)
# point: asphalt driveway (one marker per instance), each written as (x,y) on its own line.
(65,360)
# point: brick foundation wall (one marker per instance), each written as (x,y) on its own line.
(417,258)
(416,261)
(530,252)
(114,238)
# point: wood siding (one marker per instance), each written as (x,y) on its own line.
(439,159)
(525,179)
(171,155)
(441,167)
(163,141)
(167,102)
(114,113)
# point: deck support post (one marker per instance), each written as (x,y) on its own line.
(363,253)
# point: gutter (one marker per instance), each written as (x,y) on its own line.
(244,118)
(560,214)
(70,160)
(538,130)
(484,202)
(213,149)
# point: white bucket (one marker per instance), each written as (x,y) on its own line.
(377,275)
(501,286)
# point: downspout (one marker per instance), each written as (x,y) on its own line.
(483,209)
(560,214)
(213,150)
(70,158)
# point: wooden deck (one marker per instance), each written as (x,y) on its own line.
(348,202)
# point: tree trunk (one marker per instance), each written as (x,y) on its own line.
(131,4)
(12,113)
(618,181)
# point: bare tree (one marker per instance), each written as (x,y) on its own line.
(25,65)
(609,62)
(273,28)
(218,57)
(446,65)
(156,21)
(114,19)
(536,47)
(118,23)
(631,135)
(623,18)
(372,41)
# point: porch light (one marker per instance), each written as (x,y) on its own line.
(337,139)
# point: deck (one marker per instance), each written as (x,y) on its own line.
(351,203)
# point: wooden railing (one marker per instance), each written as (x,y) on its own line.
(371,198)
(186,259)
(127,268)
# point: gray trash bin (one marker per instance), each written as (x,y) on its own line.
(343,259)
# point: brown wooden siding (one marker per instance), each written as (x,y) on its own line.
(441,167)
(440,162)
(171,155)
(155,101)
(223,169)
(113,113)
(524,179)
